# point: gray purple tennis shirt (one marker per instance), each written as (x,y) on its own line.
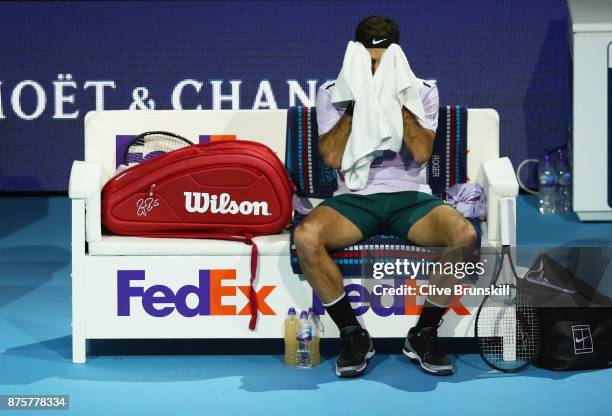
(391,171)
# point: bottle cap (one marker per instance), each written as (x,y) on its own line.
(304,315)
(562,154)
(311,312)
(291,311)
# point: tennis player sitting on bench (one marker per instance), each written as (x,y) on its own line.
(396,200)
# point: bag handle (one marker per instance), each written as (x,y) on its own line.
(248,240)
(252,293)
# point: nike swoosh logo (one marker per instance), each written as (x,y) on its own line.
(376,42)
(579,340)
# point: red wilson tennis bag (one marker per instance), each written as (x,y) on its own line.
(232,190)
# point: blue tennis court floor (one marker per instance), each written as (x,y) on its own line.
(35,349)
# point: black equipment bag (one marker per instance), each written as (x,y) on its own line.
(575,319)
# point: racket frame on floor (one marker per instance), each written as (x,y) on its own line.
(522,323)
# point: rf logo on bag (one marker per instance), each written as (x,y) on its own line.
(144,206)
(583,342)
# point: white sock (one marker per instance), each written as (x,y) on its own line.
(333,302)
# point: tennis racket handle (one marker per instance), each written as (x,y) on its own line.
(507,220)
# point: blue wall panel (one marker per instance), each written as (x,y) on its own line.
(509,55)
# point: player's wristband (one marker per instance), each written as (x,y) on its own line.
(350,108)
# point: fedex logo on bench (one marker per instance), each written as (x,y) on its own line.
(207,297)
(403,304)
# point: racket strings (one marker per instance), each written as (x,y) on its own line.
(508,331)
(150,145)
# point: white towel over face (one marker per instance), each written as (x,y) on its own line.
(377,117)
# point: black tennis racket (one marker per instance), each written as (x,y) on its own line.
(151,144)
(507,325)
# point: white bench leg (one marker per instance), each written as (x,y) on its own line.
(509,341)
(79,348)
(79,342)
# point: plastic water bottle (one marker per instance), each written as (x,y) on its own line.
(315,324)
(547,180)
(304,341)
(563,195)
(291,326)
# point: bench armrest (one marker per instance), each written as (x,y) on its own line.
(86,183)
(499,182)
(85,180)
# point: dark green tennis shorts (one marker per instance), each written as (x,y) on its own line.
(384,213)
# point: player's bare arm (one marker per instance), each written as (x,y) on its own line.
(418,140)
(332,143)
